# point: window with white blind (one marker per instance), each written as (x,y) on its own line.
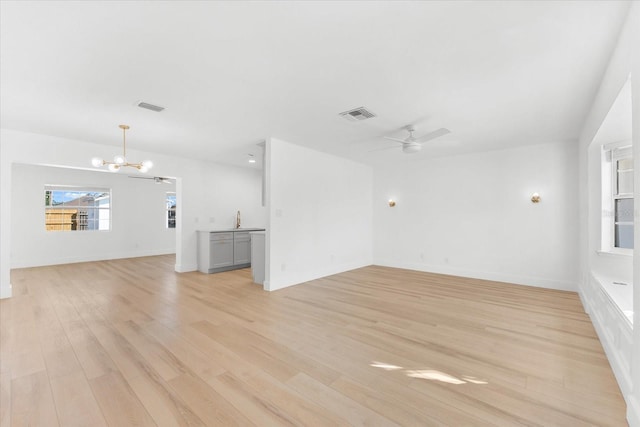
(617,190)
(77,208)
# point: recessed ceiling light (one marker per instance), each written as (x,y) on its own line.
(251,158)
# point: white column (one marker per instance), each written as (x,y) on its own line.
(633,407)
(5,223)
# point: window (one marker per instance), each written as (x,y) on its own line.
(171,210)
(618,199)
(623,201)
(76,208)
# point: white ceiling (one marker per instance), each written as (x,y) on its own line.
(497,74)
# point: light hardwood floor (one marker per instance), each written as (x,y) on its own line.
(130,342)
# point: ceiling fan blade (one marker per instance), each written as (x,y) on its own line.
(433,135)
(383,149)
(157,179)
(401,141)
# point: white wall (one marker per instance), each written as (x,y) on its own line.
(633,411)
(138,215)
(320,216)
(624,61)
(471,215)
(204,189)
(226,190)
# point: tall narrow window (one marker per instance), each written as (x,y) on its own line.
(77,208)
(171,209)
(618,198)
(623,198)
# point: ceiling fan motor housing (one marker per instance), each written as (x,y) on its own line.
(411,147)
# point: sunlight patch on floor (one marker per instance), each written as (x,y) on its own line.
(430,374)
(385,366)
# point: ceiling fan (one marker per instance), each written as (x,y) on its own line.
(412,144)
(157,179)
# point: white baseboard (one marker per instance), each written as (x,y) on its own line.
(540,282)
(499,277)
(633,410)
(6,291)
(585,304)
(306,276)
(88,258)
(185,268)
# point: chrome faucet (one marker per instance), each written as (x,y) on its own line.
(238,220)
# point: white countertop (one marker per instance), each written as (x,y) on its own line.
(230,230)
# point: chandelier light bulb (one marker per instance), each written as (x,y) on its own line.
(113,167)
(119,160)
(96,162)
(147,164)
(143,169)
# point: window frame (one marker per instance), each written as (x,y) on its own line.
(168,210)
(612,154)
(80,189)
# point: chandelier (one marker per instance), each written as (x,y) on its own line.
(120,161)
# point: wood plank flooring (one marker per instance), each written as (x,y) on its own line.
(130,342)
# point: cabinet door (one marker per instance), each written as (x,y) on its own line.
(241,248)
(221,253)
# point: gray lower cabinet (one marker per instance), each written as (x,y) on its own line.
(220,250)
(223,250)
(241,248)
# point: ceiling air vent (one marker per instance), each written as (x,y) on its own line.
(151,107)
(357,114)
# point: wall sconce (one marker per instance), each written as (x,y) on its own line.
(392,203)
(535,198)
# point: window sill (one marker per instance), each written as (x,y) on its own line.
(617,253)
